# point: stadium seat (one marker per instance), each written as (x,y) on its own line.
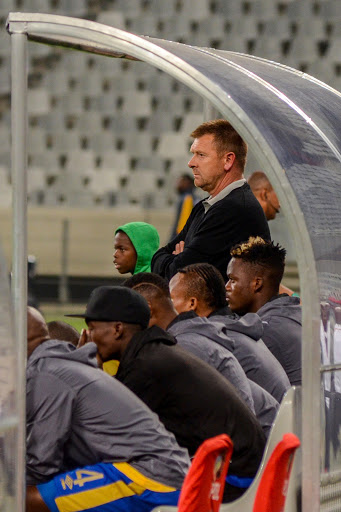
(5,75)
(269,47)
(7,6)
(278,27)
(38,101)
(155,162)
(203,487)
(272,489)
(321,69)
(171,143)
(143,25)
(163,8)
(89,123)
(104,181)
(331,11)
(190,122)
(57,82)
(195,9)
(64,141)
(111,159)
(37,140)
(74,8)
(158,123)
(313,27)
(288,420)
(136,103)
(300,9)
(129,7)
(267,477)
(263,10)
(333,53)
(138,145)
(35,179)
(101,141)
(231,9)
(112,18)
(234,43)
(75,63)
(79,161)
(175,28)
(245,25)
(304,49)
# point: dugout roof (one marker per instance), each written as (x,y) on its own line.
(291,122)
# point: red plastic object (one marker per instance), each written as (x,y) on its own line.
(203,487)
(273,487)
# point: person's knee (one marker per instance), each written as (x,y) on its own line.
(34,501)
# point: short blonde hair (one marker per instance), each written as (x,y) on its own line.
(225,138)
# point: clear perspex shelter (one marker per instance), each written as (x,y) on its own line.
(292,123)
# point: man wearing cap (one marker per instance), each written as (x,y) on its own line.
(91,443)
(190,397)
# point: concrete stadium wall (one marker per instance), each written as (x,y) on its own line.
(91,233)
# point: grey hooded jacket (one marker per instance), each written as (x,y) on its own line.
(196,334)
(202,338)
(77,415)
(282,322)
(243,339)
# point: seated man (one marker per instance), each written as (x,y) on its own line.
(200,288)
(63,331)
(191,399)
(203,339)
(90,441)
(134,246)
(267,197)
(254,276)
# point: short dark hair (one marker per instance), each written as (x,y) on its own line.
(225,138)
(263,255)
(204,281)
(63,331)
(148,282)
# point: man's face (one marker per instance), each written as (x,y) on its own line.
(272,205)
(103,335)
(177,290)
(207,166)
(239,292)
(124,254)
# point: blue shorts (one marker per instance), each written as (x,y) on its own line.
(106,488)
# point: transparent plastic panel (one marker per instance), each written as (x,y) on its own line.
(330,338)
(8,399)
(331,441)
(303,131)
(315,98)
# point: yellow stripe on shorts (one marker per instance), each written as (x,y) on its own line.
(95,497)
(141,480)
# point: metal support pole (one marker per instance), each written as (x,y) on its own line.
(19,265)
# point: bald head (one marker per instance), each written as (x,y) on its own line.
(262,189)
(257,180)
(37,331)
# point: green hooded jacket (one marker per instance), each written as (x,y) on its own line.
(145,240)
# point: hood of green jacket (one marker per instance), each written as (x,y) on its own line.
(145,240)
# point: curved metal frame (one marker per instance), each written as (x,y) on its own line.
(101,39)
